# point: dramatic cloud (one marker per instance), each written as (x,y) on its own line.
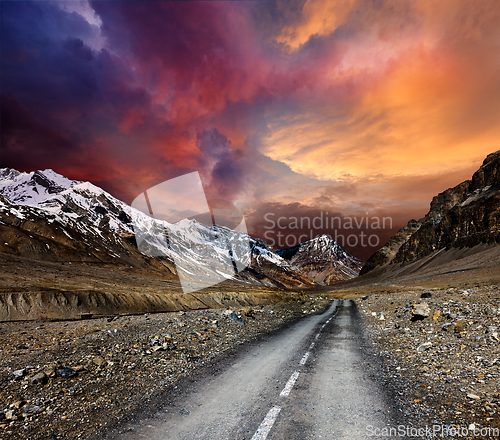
(351,107)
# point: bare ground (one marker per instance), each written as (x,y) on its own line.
(116,366)
(77,378)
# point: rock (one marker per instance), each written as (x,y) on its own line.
(232,315)
(10,415)
(382,317)
(19,374)
(424,346)
(459,327)
(40,378)
(473,396)
(446,326)
(250,313)
(426,295)
(491,329)
(30,410)
(420,311)
(65,372)
(98,360)
(157,348)
(19,404)
(436,315)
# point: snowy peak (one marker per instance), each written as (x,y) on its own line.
(322,243)
(8,174)
(32,188)
(323,259)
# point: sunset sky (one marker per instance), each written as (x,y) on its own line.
(355,108)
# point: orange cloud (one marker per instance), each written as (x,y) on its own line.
(419,102)
(318,18)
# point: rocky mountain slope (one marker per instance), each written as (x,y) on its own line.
(323,260)
(44,215)
(47,231)
(466,215)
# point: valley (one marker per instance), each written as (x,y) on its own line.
(100,340)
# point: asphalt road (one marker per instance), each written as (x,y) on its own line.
(309,381)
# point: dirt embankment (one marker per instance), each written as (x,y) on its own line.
(57,305)
(34,290)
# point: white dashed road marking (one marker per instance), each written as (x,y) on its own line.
(289,385)
(304,358)
(267,423)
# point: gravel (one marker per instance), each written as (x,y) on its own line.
(445,366)
(69,380)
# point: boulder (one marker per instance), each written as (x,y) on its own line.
(65,372)
(40,378)
(420,311)
(459,327)
(424,346)
(30,410)
(19,374)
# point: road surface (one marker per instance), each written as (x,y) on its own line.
(309,381)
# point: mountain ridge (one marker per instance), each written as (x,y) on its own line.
(323,259)
(64,208)
(466,215)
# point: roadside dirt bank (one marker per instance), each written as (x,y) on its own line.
(36,290)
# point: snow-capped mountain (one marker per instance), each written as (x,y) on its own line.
(80,216)
(323,259)
(32,188)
